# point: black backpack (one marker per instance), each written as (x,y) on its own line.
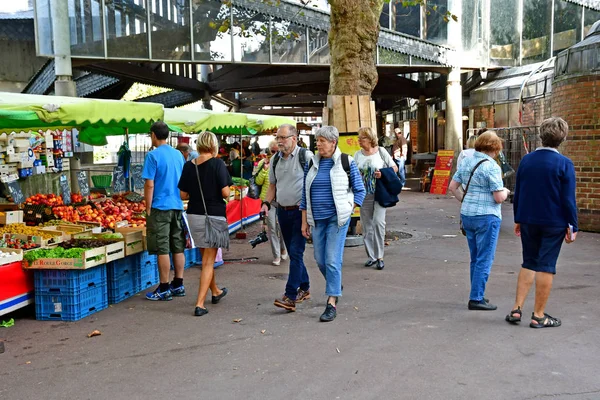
(301,158)
(345,165)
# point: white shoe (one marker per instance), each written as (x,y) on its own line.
(284,256)
(276,261)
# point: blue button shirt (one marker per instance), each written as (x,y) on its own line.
(487,179)
(164,165)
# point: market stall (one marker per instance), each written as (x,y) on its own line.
(35,147)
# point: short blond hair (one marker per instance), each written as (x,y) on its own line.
(369,133)
(207,143)
(488,142)
(471,142)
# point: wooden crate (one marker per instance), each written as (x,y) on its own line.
(134,239)
(11,217)
(67,230)
(115,251)
(90,259)
(12,258)
(58,238)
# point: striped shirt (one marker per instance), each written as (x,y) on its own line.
(487,179)
(321,195)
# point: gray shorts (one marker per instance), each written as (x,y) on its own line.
(197,223)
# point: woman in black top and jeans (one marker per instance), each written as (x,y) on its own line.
(215,181)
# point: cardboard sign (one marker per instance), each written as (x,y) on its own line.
(65,190)
(84,186)
(441,174)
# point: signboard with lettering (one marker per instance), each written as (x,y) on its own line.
(441,174)
(65,190)
(119,182)
(14,189)
(136,176)
(84,185)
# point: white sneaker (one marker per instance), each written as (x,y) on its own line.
(284,256)
(276,261)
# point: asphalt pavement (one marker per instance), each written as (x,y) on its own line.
(401,333)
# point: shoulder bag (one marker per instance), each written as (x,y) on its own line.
(462,230)
(216,229)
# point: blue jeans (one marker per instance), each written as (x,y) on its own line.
(401,171)
(328,241)
(482,236)
(290,222)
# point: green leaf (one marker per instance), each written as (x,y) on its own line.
(212,24)
(455,18)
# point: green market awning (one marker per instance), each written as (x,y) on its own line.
(223,123)
(94,118)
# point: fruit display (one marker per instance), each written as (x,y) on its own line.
(49,200)
(66,213)
(86,243)
(17,244)
(7,254)
(76,198)
(22,229)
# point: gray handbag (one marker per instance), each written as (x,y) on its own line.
(216,229)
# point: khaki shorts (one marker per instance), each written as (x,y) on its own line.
(164,232)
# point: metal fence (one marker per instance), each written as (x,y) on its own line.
(518,141)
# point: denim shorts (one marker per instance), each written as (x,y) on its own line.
(541,246)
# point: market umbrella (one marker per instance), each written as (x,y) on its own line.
(96,119)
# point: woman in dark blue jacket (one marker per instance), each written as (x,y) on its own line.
(545,215)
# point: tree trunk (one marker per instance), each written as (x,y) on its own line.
(353,46)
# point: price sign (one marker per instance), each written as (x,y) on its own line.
(441,174)
(119,182)
(15,191)
(136,176)
(65,189)
(84,186)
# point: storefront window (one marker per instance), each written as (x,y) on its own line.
(251,36)
(567,25)
(436,29)
(170,22)
(504,35)
(472,26)
(126,28)
(288,42)
(44,27)
(318,47)
(537,20)
(384,19)
(85,22)
(590,16)
(406,19)
(212,39)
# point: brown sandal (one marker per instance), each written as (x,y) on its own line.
(511,318)
(545,322)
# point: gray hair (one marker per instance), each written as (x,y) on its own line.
(290,128)
(328,133)
(183,147)
(553,131)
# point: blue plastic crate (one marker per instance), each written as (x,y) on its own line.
(56,281)
(70,307)
(148,273)
(146,258)
(122,288)
(129,265)
(123,276)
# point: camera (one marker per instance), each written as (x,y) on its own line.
(261,238)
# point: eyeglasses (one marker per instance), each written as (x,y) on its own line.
(282,138)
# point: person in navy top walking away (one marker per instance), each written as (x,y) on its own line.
(545,215)
(332,188)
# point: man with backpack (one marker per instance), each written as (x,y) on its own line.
(286,182)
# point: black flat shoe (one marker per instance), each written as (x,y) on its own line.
(370,263)
(380,264)
(199,311)
(216,299)
(481,306)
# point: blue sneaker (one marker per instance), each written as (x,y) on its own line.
(159,296)
(178,291)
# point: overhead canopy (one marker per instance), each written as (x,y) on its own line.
(223,123)
(94,118)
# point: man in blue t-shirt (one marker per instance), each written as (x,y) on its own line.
(162,170)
